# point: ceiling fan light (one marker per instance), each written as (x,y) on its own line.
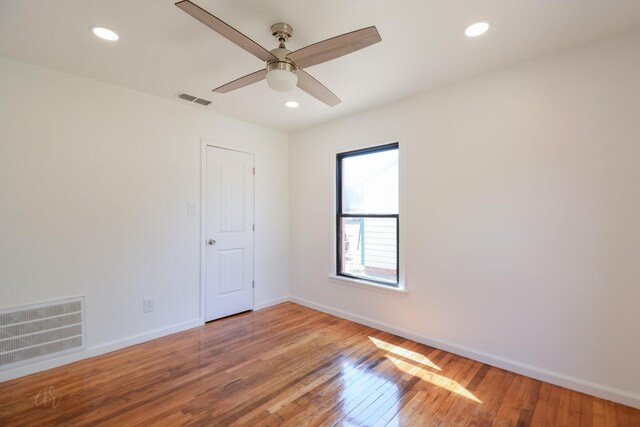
(282,80)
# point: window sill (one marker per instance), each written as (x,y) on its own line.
(363,284)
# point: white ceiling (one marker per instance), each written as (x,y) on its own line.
(163,51)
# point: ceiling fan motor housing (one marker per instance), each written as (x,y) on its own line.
(282,32)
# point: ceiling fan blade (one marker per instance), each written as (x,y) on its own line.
(335,47)
(225,30)
(316,89)
(242,82)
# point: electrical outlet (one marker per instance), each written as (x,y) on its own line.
(147,305)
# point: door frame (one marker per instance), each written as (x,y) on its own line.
(204,143)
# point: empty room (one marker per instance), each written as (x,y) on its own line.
(320,213)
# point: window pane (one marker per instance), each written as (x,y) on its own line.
(369,248)
(370,183)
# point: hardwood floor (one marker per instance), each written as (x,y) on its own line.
(290,365)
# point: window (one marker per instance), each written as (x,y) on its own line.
(367,217)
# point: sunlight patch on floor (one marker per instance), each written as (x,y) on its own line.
(433,378)
(407,354)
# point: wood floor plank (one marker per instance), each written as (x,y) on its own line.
(509,409)
(586,418)
(289,365)
(575,406)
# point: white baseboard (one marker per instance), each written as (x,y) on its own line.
(97,350)
(269,303)
(577,384)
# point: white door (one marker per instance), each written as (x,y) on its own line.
(229,233)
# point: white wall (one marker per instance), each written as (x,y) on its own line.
(521,218)
(94,185)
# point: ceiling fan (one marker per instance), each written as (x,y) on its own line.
(284,68)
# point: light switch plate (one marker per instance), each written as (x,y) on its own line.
(192,208)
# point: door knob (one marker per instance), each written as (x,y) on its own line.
(211,242)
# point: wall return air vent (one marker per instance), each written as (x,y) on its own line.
(40,331)
(194,99)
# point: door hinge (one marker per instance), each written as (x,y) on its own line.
(254,170)
(253,283)
(254,227)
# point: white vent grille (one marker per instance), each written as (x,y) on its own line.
(40,331)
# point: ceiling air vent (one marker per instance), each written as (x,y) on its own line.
(187,97)
(194,99)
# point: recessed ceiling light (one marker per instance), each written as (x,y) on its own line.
(105,33)
(292,104)
(477,29)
